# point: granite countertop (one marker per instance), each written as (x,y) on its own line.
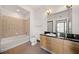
(74,40)
(52,36)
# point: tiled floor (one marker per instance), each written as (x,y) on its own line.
(26,49)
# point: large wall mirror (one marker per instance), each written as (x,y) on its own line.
(62,22)
(63,27)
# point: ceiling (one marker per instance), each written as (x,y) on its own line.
(15,9)
(43,6)
(23,12)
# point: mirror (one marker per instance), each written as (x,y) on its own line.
(61,28)
(50,26)
(60,18)
(69,27)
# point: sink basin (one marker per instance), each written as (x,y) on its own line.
(51,34)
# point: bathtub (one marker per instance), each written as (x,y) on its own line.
(11,42)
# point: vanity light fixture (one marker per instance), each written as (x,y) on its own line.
(68,6)
(48,12)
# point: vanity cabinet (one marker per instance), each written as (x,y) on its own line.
(51,44)
(58,46)
(71,47)
(43,41)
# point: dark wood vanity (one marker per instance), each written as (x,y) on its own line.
(59,45)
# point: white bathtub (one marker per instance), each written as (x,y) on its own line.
(11,42)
